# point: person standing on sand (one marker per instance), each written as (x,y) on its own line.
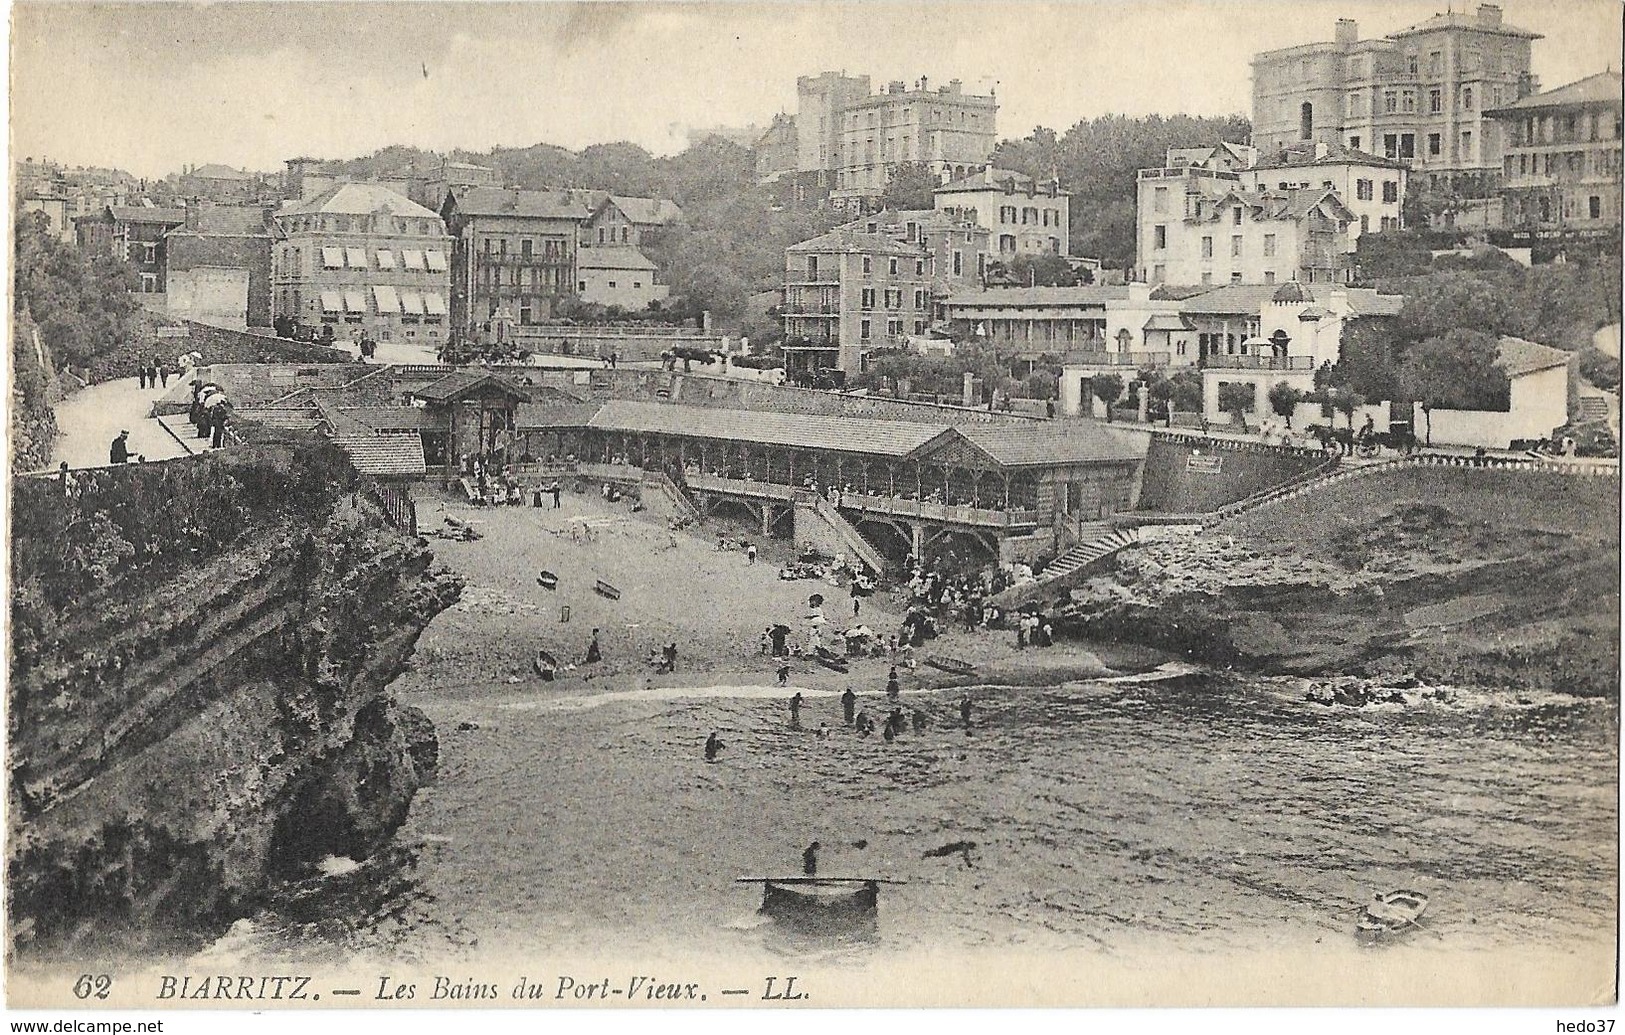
(784,675)
(921,720)
(795,711)
(809,860)
(750,553)
(849,705)
(893,688)
(767,642)
(594,654)
(887,732)
(1021,632)
(964,711)
(557,489)
(713,745)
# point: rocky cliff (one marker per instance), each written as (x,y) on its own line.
(198,697)
(1478,577)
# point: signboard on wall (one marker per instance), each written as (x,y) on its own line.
(1197,463)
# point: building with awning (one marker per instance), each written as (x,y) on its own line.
(356,257)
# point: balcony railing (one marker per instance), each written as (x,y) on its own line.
(803,277)
(857,501)
(805,309)
(1116,359)
(1259,362)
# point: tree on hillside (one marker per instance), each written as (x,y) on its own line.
(1456,370)
(80,303)
(1284,399)
(1236,398)
(1108,388)
(909,186)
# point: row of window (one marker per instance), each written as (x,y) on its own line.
(1235,245)
(369,224)
(553,248)
(894,328)
(491,277)
(1365,190)
(333,257)
(894,298)
(859,120)
(1030,214)
(1574,163)
(1568,129)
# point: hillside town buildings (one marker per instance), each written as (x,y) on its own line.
(622,222)
(1369,186)
(134,233)
(360,256)
(514,252)
(218,264)
(1419,95)
(847,293)
(1024,217)
(618,275)
(1562,168)
(847,139)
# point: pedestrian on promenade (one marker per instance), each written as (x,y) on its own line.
(152,372)
(163,375)
(795,711)
(119,451)
(849,705)
(141,372)
(219,426)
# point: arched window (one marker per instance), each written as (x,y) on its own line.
(1306,120)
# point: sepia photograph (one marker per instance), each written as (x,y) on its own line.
(810,505)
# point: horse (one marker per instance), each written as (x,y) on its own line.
(1338,440)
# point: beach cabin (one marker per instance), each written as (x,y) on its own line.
(476,410)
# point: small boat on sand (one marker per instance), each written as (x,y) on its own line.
(547,580)
(830,660)
(954,666)
(1391,913)
(821,904)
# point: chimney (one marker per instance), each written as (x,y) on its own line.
(1348,31)
(955,86)
(925,84)
(895,86)
(191,206)
(1489,14)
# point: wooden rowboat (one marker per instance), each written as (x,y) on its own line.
(821,904)
(830,660)
(547,580)
(955,666)
(1391,913)
(604,589)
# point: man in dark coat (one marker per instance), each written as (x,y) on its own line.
(119,451)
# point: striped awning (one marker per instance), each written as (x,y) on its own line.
(357,257)
(388,301)
(355,300)
(436,260)
(411,303)
(333,258)
(434,304)
(412,258)
(386,259)
(332,302)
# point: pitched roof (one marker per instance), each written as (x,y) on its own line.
(225,221)
(217,171)
(459,382)
(646,211)
(554,414)
(143,214)
(299,419)
(1047,443)
(385,455)
(1518,357)
(1602,88)
(851,241)
(991,179)
(847,434)
(1300,155)
(1371,302)
(536,204)
(1091,294)
(618,257)
(1463,20)
(392,418)
(359,199)
(1233,299)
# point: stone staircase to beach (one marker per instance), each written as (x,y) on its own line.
(1097,541)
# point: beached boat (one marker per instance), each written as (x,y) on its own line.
(1391,913)
(829,659)
(832,904)
(956,666)
(547,580)
(604,589)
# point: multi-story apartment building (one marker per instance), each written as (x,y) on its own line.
(1024,217)
(947,129)
(1417,96)
(846,138)
(625,222)
(362,256)
(846,293)
(134,233)
(1562,164)
(1371,187)
(514,250)
(1205,226)
(955,249)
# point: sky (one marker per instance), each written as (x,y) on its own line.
(149,87)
